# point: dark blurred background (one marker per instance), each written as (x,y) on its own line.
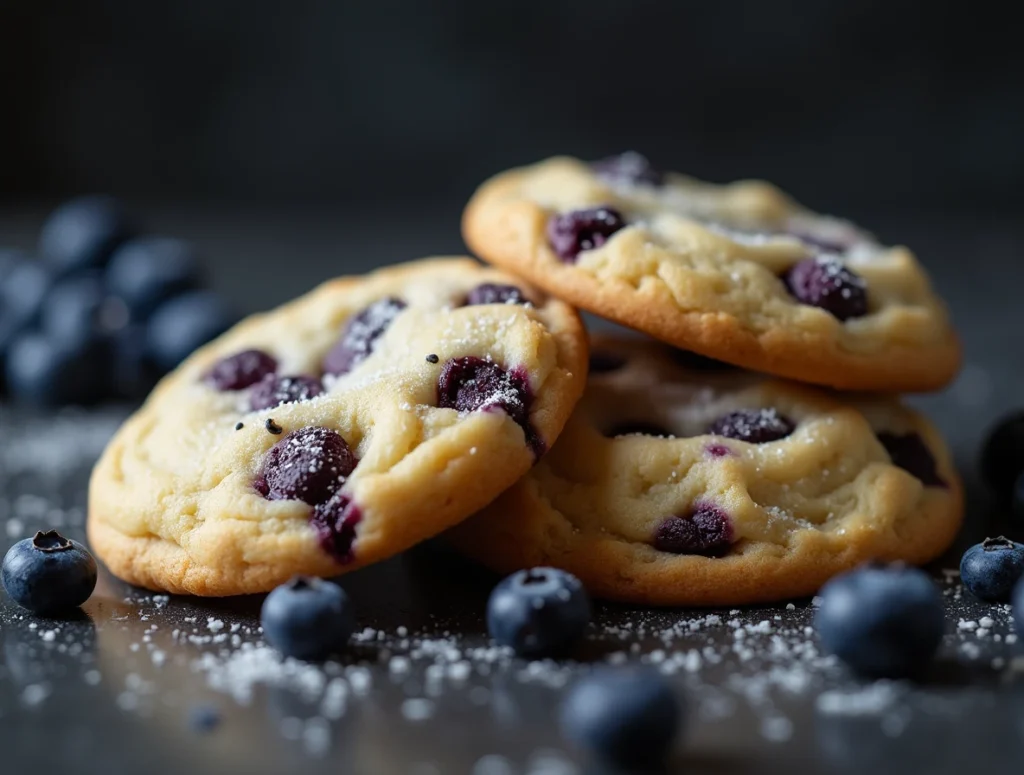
(854,105)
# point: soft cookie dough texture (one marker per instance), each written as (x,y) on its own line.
(702,267)
(797,510)
(173,504)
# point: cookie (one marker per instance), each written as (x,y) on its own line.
(676,483)
(740,272)
(337,430)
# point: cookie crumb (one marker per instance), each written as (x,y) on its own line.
(273,427)
(239,426)
(432,358)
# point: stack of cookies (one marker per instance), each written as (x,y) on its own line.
(711,462)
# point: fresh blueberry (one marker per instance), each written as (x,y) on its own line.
(539,612)
(49,573)
(78,308)
(826,282)
(360,335)
(42,372)
(309,465)
(629,167)
(83,233)
(909,452)
(241,370)
(884,621)
(755,426)
(149,270)
(274,390)
(1002,456)
(492,293)
(307,618)
(639,428)
(10,259)
(569,234)
(992,568)
(706,530)
(471,384)
(335,522)
(627,716)
(181,325)
(23,292)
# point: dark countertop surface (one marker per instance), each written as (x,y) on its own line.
(422,692)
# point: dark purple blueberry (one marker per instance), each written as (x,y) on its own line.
(706,530)
(273,391)
(638,428)
(884,621)
(571,233)
(827,283)
(146,271)
(241,370)
(539,612)
(602,362)
(471,384)
(48,573)
(492,293)
(83,232)
(717,450)
(991,569)
(628,716)
(78,308)
(909,452)
(629,167)
(308,618)
(335,524)
(360,335)
(755,426)
(310,464)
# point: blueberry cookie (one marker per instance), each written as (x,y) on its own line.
(738,272)
(337,430)
(675,483)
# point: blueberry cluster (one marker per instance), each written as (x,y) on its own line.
(103,311)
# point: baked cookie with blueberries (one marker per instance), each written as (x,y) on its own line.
(739,272)
(337,430)
(678,484)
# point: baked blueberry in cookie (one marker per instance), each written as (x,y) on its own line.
(731,488)
(492,293)
(340,429)
(360,334)
(573,232)
(738,273)
(273,390)
(241,370)
(825,282)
